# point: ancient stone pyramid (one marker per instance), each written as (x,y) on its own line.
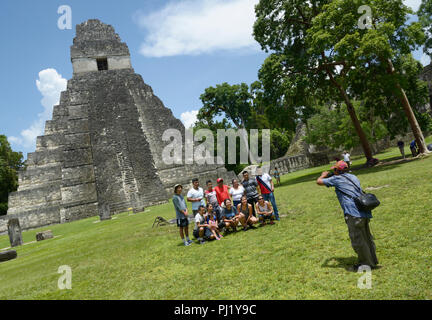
(104,142)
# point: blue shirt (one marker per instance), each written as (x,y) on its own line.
(179,206)
(229,213)
(348,205)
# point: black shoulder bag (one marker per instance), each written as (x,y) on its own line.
(364,202)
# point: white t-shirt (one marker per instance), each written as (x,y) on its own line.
(199,219)
(237,193)
(267,179)
(347,157)
(196,194)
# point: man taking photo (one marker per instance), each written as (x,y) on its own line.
(347,188)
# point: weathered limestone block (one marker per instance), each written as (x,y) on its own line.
(44,235)
(77,141)
(77,157)
(79,194)
(78,125)
(48,142)
(8,255)
(14,231)
(77,112)
(77,175)
(45,157)
(77,212)
(104,211)
(40,194)
(39,175)
(55,126)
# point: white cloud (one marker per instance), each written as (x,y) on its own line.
(414,4)
(192,27)
(425,60)
(189,118)
(50,84)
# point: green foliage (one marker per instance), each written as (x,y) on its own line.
(242,107)
(331,127)
(280,142)
(425,16)
(231,101)
(10,163)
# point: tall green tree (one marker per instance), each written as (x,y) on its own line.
(10,163)
(288,28)
(384,38)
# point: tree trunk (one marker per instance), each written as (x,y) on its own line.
(415,127)
(360,132)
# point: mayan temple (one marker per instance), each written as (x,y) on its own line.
(104,144)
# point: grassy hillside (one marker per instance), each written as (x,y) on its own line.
(304,256)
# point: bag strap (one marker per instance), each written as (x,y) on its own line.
(260,180)
(351,197)
(359,189)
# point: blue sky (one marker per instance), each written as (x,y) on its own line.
(180,47)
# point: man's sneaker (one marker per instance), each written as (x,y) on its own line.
(190,241)
(355,267)
(202,241)
(187,243)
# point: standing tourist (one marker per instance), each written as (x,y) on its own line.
(211,197)
(236,192)
(181,214)
(347,189)
(266,185)
(250,186)
(413,147)
(401,146)
(276,175)
(222,191)
(196,196)
(347,159)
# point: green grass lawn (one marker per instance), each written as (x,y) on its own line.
(304,256)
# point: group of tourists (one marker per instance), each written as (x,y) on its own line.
(222,209)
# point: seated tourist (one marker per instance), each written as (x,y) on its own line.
(213,226)
(202,229)
(217,215)
(230,216)
(246,209)
(264,210)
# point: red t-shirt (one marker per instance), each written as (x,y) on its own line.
(222,193)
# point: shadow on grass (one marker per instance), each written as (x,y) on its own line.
(340,262)
(343,262)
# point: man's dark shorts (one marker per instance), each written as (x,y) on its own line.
(182,222)
(207,233)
